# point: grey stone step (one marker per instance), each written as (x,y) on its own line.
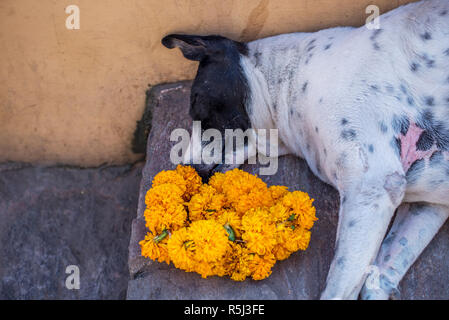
(53,217)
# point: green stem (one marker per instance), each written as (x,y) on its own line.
(160,237)
(230,231)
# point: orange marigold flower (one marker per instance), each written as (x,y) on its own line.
(277,192)
(192,179)
(260,266)
(155,250)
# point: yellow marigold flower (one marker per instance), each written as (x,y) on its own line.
(237,264)
(155,250)
(206,204)
(299,241)
(232,219)
(277,192)
(210,239)
(245,191)
(280,252)
(260,266)
(171,216)
(181,250)
(301,206)
(164,194)
(170,177)
(192,179)
(217,181)
(259,231)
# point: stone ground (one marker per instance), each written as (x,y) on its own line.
(57,216)
(303,275)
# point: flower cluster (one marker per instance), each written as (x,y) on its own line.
(233,226)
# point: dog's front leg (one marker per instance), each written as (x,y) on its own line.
(366,209)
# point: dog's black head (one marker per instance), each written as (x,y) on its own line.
(220,90)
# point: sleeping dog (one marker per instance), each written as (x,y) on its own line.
(369,112)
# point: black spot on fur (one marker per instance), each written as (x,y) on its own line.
(316,129)
(387,257)
(308,58)
(396,145)
(371,148)
(304,86)
(373,38)
(374,87)
(344,121)
(424,142)
(430,63)
(351,223)
(410,101)
(348,134)
(414,66)
(403,89)
(321,100)
(436,157)
(311,42)
(429,100)
(257,55)
(383,128)
(400,124)
(443,13)
(415,171)
(310,48)
(341,262)
(328,46)
(389,88)
(426,36)
(446,52)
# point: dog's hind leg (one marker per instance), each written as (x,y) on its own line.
(413,228)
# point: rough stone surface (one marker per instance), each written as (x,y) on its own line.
(303,275)
(55,217)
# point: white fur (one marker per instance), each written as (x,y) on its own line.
(309,98)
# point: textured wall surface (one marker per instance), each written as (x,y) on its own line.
(74,96)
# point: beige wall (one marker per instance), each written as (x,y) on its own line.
(74,96)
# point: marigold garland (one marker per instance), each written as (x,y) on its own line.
(233,226)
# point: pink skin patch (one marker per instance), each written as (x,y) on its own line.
(409,153)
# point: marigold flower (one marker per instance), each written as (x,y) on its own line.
(234,225)
(192,179)
(277,192)
(260,266)
(206,204)
(155,250)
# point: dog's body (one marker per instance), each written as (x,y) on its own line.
(369,112)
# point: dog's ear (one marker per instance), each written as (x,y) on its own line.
(192,47)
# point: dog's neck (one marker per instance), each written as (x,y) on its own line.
(276,69)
